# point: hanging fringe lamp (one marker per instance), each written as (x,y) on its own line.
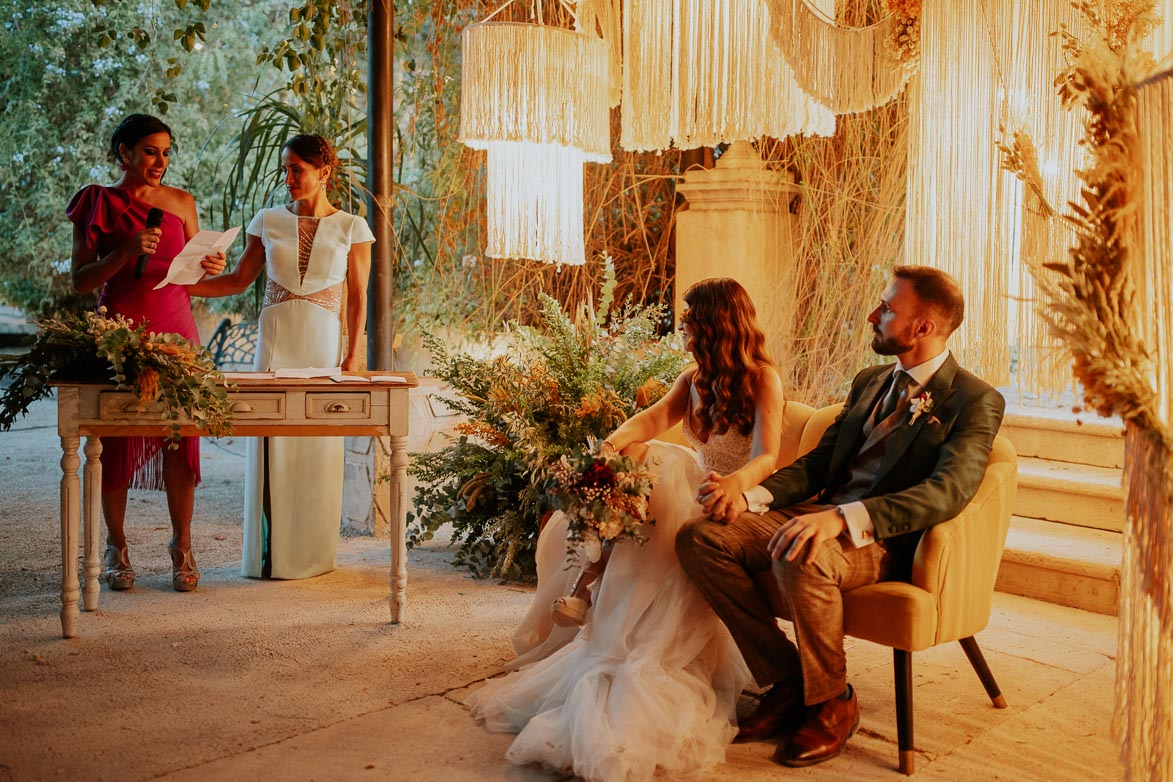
(535,97)
(705,72)
(849,69)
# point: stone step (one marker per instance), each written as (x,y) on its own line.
(1062,436)
(1062,564)
(1079,494)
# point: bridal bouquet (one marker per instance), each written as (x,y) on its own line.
(605,496)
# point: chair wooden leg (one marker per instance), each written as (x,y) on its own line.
(902,666)
(978,661)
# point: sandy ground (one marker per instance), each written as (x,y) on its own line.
(307,680)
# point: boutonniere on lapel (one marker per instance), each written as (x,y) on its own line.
(920,405)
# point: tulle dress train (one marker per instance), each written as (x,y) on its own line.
(651,680)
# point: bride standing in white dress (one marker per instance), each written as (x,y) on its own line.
(651,679)
(312,252)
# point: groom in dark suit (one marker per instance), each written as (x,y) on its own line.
(907,451)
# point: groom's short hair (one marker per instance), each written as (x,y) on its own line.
(938,291)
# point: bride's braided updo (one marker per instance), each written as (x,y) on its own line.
(316,151)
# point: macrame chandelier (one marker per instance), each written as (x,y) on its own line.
(849,69)
(705,72)
(535,98)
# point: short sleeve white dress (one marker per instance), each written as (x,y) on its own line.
(293,489)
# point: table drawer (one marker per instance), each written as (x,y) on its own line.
(252,407)
(351,406)
(124,406)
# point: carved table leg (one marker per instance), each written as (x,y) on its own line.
(92,515)
(398,521)
(70,523)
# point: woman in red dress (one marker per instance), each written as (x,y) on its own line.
(109,234)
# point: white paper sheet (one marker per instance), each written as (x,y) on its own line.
(185,268)
(306,372)
(371,379)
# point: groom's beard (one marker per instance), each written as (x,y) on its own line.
(892,345)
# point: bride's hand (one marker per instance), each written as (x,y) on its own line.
(721,496)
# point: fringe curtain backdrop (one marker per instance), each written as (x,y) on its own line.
(1155,277)
(953,175)
(1028,57)
(1160,42)
(706,72)
(605,18)
(535,97)
(848,69)
(1144,683)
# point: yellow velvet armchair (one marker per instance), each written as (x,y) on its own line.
(952,587)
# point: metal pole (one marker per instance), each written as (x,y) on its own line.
(380,138)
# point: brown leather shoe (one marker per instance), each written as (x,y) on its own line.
(780,708)
(827,728)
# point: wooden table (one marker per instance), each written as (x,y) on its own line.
(261,406)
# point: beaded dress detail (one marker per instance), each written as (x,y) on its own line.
(724,453)
(327,298)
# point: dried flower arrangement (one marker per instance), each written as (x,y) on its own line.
(159,368)
(559,385)
(1091,305)
(904,30)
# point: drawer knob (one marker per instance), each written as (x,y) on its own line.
(241,407)
(337,407)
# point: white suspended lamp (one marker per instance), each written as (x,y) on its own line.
(535,97)
(849,69)
(705,72)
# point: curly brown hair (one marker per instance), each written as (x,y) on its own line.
(730,351)
(315,150)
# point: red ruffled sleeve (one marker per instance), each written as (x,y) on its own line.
(95,209)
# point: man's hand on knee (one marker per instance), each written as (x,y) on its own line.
(801,536)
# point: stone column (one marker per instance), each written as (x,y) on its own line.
(738,223)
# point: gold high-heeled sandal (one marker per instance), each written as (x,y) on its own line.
(569,611)
(185,576)
(119,574)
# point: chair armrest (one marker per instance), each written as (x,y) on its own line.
(957,560)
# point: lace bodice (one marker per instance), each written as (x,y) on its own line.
(725,453)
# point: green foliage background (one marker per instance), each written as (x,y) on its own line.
(69,71)
(567,380)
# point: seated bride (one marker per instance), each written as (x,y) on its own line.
(650,679)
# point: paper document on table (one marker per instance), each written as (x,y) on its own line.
(247,375)
(388,379)
(185,268)
(307,372)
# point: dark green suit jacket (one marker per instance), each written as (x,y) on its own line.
(930,470)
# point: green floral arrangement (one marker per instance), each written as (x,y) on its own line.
(160,368)
(560,384)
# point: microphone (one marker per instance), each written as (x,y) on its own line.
(154,220)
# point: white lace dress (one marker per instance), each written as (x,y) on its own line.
(651,680)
